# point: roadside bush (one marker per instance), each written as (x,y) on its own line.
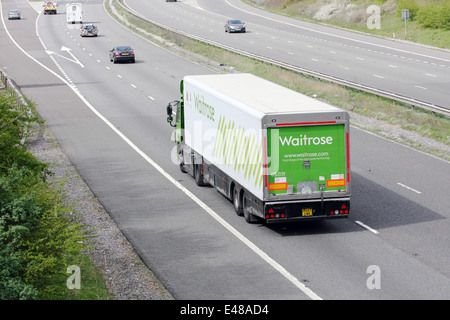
(53,244)
(19,212)
(37,240)
(287,3)
(435,16)
(411,5)
(16,122)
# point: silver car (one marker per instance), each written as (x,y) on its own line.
(89,30)
(235,26)
(14,14)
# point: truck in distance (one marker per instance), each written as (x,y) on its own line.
(278,155)
(50,7)
(74,13)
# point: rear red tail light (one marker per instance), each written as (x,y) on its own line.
(271,214)
(343,210)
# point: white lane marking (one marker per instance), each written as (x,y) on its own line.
(69,51)
(133,86)
(420,87)
(375,75)
(431,75)
(367,227)
(409,188)
(392,66)
(211,212)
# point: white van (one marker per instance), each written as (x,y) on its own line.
(74,13)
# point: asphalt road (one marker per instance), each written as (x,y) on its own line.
(407,70)
(110,120)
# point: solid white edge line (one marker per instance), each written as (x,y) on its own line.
(211,212)
(367,227)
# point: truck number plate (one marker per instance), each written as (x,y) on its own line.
(306,212)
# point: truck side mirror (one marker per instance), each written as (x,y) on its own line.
(169,114)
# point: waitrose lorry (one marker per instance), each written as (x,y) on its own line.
(278,155)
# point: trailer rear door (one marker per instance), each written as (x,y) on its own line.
(307,160)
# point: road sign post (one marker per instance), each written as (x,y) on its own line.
(405,16)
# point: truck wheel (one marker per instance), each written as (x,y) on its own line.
(237,202)
(250,218)
(180,156)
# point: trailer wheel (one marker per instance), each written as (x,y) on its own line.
(180,156)
(250,218)
(237,202)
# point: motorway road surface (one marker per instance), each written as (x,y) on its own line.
(110,119)
(408,70)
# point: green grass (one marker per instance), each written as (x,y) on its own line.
(92,284)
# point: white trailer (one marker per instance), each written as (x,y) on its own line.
(74,13)
(276,154)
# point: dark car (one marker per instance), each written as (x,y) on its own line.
(88,30)
(122,53)
(235,26)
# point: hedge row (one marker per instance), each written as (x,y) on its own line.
(37,240)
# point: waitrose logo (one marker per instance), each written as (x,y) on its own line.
(203,108)
(304,140)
